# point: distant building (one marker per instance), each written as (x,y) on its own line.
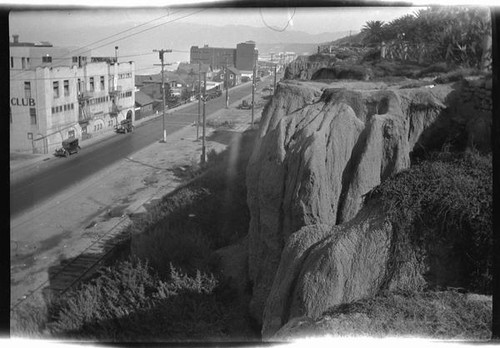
(233,78)
(144,105)
(174,82)
(243,57)
(215,57)
(51,101)
(246,55)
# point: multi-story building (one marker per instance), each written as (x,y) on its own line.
(52,102)
(214,57)
(246,56)
(243,57)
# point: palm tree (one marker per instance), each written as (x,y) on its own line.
(374,32)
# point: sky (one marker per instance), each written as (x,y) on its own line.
(310,20)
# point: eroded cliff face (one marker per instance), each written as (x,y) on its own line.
(320,150)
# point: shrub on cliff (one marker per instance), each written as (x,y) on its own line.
(445,202)
(437,315)
(130,302)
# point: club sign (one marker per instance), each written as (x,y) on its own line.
(22,101)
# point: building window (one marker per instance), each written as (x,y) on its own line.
(12,62)
(47,59)
(23,63)
(30,136)
(53,110)
(28,62)
(66,88)
(27,90)
(91,84)
(55,87)
(71,133)
(33,115)
(66,107)
(102,83)
(75,59)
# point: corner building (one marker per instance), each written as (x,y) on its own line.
(50,103)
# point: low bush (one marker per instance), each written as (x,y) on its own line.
(130,302)
(221,124)
(431,70)
(455,75)
(445,201)
(436,315)
(387,68)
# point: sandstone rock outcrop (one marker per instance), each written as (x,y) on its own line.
(320,150)
(323,266)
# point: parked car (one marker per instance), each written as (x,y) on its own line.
(125,126)
(69,146)
(245,105)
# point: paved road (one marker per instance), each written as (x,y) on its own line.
(53,176)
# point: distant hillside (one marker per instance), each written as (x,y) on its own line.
(299,48)
(353,39)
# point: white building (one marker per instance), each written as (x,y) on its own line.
(57,98)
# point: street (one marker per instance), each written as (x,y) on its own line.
(54,176)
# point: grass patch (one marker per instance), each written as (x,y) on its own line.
(445,202)
(437,315)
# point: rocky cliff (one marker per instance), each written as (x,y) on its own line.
(320,150)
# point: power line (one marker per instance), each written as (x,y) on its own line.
(153,27)
(108,37)
(123,31)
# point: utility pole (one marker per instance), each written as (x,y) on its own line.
(199,102)
(161,52)
(274,88)
(203,152)
(253,90)
(227,87)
